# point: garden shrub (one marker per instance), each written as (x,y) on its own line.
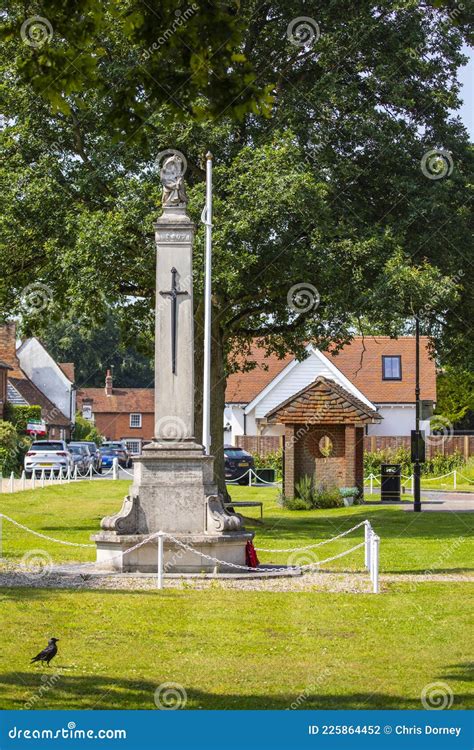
(309,498)
(296,503)
(272,460)
(304,490)
(8,448)
(435,466)
(84,430)
(328,497)
(19,415)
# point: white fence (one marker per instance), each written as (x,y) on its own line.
(373,480)
(371,544)
(49,477)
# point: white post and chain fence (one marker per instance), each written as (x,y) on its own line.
(250,477)
(371,544)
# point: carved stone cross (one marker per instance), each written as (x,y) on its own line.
(173,294)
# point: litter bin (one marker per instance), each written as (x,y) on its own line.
(265,475)
(391,477)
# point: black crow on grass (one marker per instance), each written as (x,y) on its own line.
(47,653)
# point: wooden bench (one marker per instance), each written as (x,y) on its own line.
(246,504)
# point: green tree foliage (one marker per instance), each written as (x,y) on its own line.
(84,430)
(455,396)
(95,348)
(19,415)
(8,447)
(331,191)
(137,57)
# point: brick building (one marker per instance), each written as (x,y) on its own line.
(120,413)
(323,435)
(377,370)
(3,386)
(29,376)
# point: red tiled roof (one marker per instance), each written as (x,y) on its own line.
(326,400)
(68,370)
(50,413)
(362,368)
(242,387)
(122,400)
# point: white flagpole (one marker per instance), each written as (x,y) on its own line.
(206,400)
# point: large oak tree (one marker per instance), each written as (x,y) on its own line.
(337,189)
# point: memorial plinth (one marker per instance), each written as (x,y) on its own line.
(173,489)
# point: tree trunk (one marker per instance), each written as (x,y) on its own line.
(218,385)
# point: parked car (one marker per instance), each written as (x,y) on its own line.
(50,455)
(81,457)
(94,451)
(237,464)
(108,454)
(123,455)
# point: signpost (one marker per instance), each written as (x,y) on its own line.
(36,427)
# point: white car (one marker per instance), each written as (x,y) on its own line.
(50,455)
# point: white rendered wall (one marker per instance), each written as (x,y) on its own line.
(48,377)
(300,376)
(397,420)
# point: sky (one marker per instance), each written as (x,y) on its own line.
(466,77)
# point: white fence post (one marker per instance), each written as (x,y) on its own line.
(60,477)
(160,561)
(33,480)
(412,481)
(11,486)
(68,474)
(369,532)
(75,473)
(23,480)
(250,477)
(115,468)
(90,471)
(367,528)
(42,478)
(371,483)
(455,479)
(375,563)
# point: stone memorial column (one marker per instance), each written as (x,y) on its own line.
(173,488)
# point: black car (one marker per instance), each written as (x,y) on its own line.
(237,464)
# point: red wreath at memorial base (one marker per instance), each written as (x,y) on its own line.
(251,556)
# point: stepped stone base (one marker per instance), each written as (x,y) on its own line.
(174,492)
(227,547)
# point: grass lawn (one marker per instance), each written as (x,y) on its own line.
(241,649)
(232,649)
(410,543)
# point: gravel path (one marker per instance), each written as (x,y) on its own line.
(328,582)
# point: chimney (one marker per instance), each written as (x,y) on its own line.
(108,383)
(8,346)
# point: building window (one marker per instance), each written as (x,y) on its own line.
(135,420)
(87,411)
(134,446)
(392,368)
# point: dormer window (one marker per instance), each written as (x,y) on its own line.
(392,367)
